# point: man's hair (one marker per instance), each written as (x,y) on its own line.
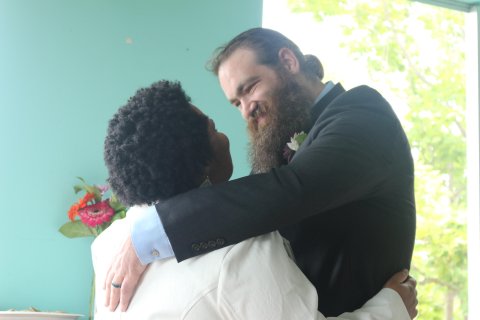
(156,146)
(266,43)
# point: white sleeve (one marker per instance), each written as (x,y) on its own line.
(258,280)
(385,305)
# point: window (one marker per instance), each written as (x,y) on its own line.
(421,58)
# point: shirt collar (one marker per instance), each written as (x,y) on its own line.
(328,86)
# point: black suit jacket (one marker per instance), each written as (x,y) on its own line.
(345,202)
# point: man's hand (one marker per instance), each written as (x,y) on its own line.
(406,288)
(122,277)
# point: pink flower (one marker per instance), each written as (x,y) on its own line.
(96,214)
(103,188)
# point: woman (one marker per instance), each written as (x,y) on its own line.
(159,145)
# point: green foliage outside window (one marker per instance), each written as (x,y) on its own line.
(388,36)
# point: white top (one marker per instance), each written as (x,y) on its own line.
(254,279)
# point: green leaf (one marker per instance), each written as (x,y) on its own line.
(119,215)
(77,188)
(116,204)
(81,179)
(75,229)
(301,137)
(97,194)
(89,189)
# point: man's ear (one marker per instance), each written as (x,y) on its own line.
(289,61)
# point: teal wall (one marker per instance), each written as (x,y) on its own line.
(65,67)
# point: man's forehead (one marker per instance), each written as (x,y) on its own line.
(245,52)
(237,70)
(243,57)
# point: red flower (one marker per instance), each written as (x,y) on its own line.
(73,211)
(86,199)
(96,214)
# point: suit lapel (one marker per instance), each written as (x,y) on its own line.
(318,108)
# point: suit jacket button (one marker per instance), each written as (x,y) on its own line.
(196,247)
(220,241)
(212,244)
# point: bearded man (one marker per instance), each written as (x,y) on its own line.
(345,201)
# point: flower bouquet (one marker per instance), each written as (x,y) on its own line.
(92,214)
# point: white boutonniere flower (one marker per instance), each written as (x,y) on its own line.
(294,144)
(296,141)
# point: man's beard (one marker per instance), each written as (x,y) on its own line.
(290,114)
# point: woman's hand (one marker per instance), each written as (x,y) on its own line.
(122,277)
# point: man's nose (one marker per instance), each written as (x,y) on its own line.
(246,109)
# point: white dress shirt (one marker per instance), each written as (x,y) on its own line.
(254,279)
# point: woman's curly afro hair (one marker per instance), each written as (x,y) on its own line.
(157,145)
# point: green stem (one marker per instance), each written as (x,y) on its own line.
(92,299)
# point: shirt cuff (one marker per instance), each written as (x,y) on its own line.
(390,298)
(148,236)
